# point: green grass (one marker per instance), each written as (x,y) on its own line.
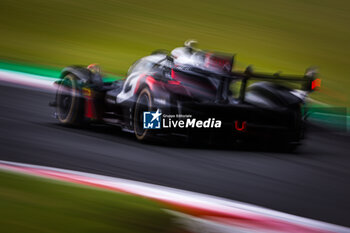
(45,71)
(273,34)
(30,204)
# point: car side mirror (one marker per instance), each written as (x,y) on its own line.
(170,58)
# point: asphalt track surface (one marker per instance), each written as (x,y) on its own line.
(313,182)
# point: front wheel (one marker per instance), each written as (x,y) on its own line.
(69,102)
(143,104)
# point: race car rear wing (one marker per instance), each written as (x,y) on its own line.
(309,81)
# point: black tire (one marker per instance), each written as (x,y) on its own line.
(143,103)
(69,102)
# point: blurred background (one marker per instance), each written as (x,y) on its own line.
(273,35)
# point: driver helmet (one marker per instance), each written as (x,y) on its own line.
(94,68)
(183,55)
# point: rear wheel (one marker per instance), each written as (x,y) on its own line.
(143,104)
(69,101)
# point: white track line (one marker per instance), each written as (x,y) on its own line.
(28,80)
(212,208)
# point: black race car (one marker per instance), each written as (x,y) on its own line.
(188,93)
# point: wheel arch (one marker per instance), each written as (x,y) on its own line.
(276,95)
(80,72)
